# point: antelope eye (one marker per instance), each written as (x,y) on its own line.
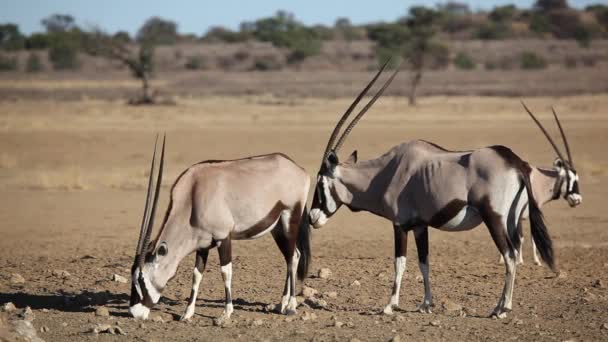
(162,249)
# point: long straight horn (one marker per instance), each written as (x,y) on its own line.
(154,204)
(563,138)
(144,221)
(559,154)
(334,134)
(364,110)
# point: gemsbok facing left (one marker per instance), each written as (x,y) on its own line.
(211,204)
(551,183)
(418,184)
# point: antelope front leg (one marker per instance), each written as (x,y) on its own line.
(225,251)
(400,263)
(422,244)
(197,276)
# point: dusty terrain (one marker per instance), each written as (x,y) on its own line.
(73,174)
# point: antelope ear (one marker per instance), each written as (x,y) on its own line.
(353,157)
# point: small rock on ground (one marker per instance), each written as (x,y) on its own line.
(308,292)
(257,322)
(27,314)
(598,283)
(25,329)
(435,323)
(307,316)
(44,329)
(316,303)
(17,279)
(331,294)
(395,338)
(324,273)
(119,279)
(8,307)
(605,326)
(355,283)
(61,273)
(102,311)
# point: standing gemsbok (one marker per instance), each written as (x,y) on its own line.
(211,204)
(418,184)
(549,184)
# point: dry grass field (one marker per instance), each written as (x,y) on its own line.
(73,175)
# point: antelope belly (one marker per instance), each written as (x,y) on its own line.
(467,218)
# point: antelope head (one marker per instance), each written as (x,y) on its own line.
(567,184)
(145,292)
(329,192)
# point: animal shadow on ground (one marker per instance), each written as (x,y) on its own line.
(81,302)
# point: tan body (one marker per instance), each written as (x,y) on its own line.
(215,202)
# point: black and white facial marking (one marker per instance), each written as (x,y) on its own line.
(144,293)
(568,184)
(324,202)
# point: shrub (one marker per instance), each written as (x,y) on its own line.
(503,13)
(490,65)
(464,61)
(539,23)
(33,63)
(221,34)
(570,62)
(37,41)
(492,31)
(531,61)
(8,63)
(64,56)
(195,63)
(266,63)
(241,55)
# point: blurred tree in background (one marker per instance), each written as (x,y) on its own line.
(140,61)
(11,38)
(157,31)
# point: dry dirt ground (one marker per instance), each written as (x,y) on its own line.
(73,174)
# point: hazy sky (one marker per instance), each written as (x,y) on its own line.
(194,16)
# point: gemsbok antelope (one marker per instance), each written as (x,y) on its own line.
(211,204)
(551,183)
(418,184)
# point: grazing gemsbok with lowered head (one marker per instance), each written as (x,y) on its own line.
(418,184)
(211,204)
(551,183)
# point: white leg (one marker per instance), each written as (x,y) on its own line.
(293,303)
(505,302)
(227,276)
(535,253)
(196,281)
(520,255)
(400,264)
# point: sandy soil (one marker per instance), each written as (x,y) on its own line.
(72,176)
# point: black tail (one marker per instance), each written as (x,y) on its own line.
(540,234)
(303,244)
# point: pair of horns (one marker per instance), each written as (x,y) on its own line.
(147,223)
(559,125)
(345,116)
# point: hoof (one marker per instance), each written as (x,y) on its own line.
(290,312)
(499,314)
(425,308)
(388,310)
(185,318)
